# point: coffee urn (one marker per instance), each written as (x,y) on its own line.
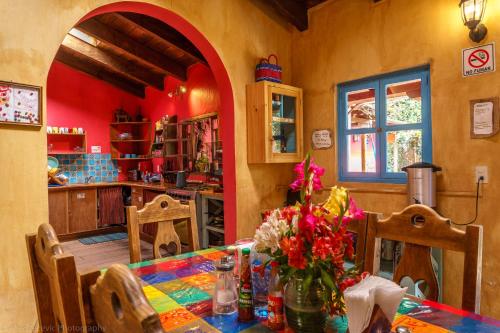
(422,183)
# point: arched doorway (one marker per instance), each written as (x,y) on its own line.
(223,83)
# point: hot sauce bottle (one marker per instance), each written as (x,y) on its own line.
(245,301)
(275,317)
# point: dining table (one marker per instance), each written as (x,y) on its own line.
(180,290)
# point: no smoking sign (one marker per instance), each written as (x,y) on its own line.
(478,60)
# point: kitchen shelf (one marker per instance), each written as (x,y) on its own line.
(215,229)
(283,120)
(63,134)
(65,153)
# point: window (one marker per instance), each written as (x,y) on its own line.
(384,124)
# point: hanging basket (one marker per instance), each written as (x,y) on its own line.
(268,71)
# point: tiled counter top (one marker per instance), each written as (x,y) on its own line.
(154,187)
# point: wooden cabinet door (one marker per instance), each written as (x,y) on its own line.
(58,211)
(137,197)
(82,210)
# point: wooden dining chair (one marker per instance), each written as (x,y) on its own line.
(359,227)
(163,210)
(421,228)
(114,302)
(55,282)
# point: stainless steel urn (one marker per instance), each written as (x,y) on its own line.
(422,183)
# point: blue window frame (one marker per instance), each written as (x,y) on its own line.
(384,124)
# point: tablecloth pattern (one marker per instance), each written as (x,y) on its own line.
(180,289)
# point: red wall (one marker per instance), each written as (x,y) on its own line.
(75,99)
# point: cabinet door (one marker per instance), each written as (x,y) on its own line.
(58,211)
(285,119)
(137,197)
(82,210)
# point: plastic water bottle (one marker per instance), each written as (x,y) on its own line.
(260,282)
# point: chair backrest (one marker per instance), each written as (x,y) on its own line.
(55,282)
(421,228)
(116,302)
(359,227)
(163,210)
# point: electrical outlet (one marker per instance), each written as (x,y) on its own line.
(481,171)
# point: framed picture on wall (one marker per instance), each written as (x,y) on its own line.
(20,104)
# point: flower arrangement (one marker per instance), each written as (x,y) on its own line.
(310,241)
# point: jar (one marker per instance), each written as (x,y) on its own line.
(304,309)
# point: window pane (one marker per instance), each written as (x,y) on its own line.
(283,124)
(404,103)
(361,153)
(361,109)
(403,148)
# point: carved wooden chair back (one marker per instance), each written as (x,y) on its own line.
(114,302)
(420,228)
(55,282)
(359,227)
(163,210)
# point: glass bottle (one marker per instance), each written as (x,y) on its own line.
(225,295)
(275,317)
(245,301)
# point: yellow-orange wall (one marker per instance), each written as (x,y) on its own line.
(347,39)
(353,39)
(30,33)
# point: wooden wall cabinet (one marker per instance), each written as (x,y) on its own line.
(82,210)
(274,123)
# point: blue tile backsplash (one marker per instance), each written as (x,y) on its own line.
(78,167)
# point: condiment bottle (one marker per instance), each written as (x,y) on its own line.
(245,300)
(275,318)
(225,295)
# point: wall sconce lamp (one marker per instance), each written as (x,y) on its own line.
(472,15)
(178,91)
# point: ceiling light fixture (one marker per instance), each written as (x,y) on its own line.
(472,15)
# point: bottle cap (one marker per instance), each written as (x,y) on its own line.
(225,264)
(245,251)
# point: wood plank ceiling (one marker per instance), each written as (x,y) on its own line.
(130,51)
(294,11)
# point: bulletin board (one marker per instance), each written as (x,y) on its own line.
(20,104)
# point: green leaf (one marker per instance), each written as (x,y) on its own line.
(327,280)
(307,281)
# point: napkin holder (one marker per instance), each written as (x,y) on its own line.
(379,323)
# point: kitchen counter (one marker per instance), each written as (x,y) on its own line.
(154,187)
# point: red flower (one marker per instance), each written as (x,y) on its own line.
(349,282)
(295,256)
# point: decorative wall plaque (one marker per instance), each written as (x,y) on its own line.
(20,104)
(321,139)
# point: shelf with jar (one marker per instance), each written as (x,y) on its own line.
(131,140)
(66,141)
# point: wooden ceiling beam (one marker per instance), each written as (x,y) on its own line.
(136,50)
(171,36)
(119,66)
(295,11)
(74,60)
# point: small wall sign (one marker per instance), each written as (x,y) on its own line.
(95,149)
(321,139)
(484,117)
(478,60)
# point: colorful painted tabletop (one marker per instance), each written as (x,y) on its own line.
(180,289)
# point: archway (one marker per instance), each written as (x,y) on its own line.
(223,83)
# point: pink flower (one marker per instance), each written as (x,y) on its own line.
(316,172)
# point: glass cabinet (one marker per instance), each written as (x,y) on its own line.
(274,123)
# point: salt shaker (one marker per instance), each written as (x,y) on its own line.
(225,300)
